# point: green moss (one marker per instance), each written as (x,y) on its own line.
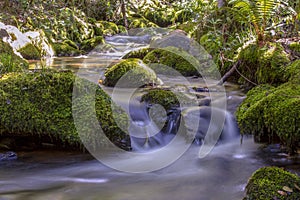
(64,49)
(9,62)
(140,53)
(292,72)
(160,17)
(266,183)
(263,64)
(109,28)
(165,98)
(295,46)
(272,113)
(90,44)
(141,22)
(39,106)
(137,74)
(30,52)
(161,59)
(71,44)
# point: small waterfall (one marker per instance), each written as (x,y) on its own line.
(145,134)
(199,120)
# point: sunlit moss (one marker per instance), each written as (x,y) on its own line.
(134,72)
(272,183)
(263,64)
(90,44)
(140,53)
(64,49)
(272,113)
(30,52)
(160,60)
(9,62)
(39,106)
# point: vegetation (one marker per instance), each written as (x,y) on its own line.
(9,62)
(134,73)
(161,60)
(30,52)
(39,106)
(262,65)
(258,40)
(273,183)
(165,98)
(272,114)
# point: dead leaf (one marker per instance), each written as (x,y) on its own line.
(296,186)
(287,189)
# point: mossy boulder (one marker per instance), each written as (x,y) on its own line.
(134,73)
(165,98)
(295,47)
(140,53)
(38,106)
(272,114)
(273,183)
(263,65)
(9,61)
(90,44)
(30,52)
(292,71)
(109,28)
(65,49)
(161,60)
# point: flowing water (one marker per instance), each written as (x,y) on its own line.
(221,175)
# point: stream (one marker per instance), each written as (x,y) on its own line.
(220,175)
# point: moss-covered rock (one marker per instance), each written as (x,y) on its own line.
(273,183)
(30,52)
(39,106)
(64,49)
(272,114)
(295,46)
(109,28)
(292,71)
(9,61)
(90,44)
(134,73)
(160,60)
(165,98)
(140,53)
(263,64)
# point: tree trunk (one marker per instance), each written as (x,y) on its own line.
(123,10)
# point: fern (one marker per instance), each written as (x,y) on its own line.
(257,12)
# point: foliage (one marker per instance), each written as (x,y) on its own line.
(133,72)
(260,14)
(165,98)
(272,113)
(30,52)
(263,64)
(140,53)
(64,49)
(160,60)
(90,44)
(39,106)
(9,62)
(266,183)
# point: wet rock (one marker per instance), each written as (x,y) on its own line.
(10,155)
